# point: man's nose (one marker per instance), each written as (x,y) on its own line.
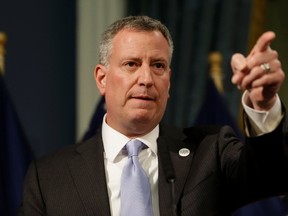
(145,76)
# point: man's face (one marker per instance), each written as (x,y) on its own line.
(136,83)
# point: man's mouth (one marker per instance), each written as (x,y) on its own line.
(143,97)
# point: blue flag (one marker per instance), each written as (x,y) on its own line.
(15,155)
(214,110)
(274,206)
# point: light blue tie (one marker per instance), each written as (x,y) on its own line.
(135,187)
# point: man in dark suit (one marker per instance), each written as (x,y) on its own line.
(194,171)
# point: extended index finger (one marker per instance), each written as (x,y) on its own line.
(263,42)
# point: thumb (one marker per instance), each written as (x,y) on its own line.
(238,62)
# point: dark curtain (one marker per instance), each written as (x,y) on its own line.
(198,27)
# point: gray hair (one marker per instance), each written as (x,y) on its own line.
(139,23)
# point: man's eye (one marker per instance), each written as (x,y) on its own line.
(159,65)
(130,64)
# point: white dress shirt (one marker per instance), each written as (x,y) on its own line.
(115,160)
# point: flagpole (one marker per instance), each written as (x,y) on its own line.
(3,40)
(215,59)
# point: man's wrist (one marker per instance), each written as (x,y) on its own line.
(263,121)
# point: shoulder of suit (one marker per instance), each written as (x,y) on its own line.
(196,133)
(65,153)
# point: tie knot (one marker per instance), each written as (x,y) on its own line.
(134,147)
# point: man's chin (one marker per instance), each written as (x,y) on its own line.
(145,119)
(142,114)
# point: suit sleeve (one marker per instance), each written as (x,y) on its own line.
(262,170)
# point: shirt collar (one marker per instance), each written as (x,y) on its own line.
(114,141)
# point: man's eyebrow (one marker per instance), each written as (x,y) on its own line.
(132,59)
(156,59)
(160,59)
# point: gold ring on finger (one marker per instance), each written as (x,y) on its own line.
(266,68)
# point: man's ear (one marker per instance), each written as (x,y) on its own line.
(100,78)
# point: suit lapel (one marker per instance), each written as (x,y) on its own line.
(87,170)
(173,141)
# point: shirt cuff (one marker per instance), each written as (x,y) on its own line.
(263,121)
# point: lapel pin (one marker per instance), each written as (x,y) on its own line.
(184,152)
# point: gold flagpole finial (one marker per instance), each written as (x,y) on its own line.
(3,40)
(215,59)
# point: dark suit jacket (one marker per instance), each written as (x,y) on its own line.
(218,176)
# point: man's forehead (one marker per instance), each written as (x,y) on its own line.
(127,41)
(133,31)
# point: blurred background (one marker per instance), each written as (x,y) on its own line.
(52,49)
